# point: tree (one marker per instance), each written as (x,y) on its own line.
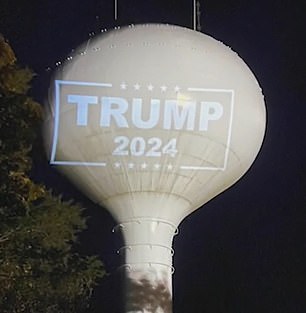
(40,268)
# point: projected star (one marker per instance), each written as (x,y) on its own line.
(131,165)
(150,87)
(117,164)
(177,88)
(144,165)
(170,167)
(157,166)
(137,86)
(123,86)
(163,88)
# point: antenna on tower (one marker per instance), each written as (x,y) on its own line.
(116,10)
(196,15)
(199,16)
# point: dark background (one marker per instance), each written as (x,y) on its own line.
(244,251)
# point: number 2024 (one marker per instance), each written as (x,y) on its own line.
(138,146)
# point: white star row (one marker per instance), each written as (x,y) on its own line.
(149,87)
(143,166)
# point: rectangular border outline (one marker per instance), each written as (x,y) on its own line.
(56,121)
(103,164)
(232,92)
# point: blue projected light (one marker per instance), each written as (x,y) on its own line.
(58,84)
(117,111)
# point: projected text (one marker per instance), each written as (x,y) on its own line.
(151,123)
(177,114)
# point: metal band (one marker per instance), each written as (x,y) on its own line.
(128,247)
(147,219)
(129,266)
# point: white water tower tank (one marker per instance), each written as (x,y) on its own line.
(151,122)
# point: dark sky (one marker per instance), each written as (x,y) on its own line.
(244,251)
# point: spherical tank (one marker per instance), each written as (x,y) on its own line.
(151,122)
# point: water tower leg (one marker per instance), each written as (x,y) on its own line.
(148,265)
(148,290)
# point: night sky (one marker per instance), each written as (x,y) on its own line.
(244,251)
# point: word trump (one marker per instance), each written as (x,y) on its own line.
(173,114)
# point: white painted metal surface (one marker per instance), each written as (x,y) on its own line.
(153,121)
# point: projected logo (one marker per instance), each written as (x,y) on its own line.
(141,126)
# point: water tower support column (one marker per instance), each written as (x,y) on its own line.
(148,264)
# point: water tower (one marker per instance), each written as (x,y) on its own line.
(151,122)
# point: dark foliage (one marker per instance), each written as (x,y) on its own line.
(40,268)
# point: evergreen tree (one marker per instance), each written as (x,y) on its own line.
(40,269)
